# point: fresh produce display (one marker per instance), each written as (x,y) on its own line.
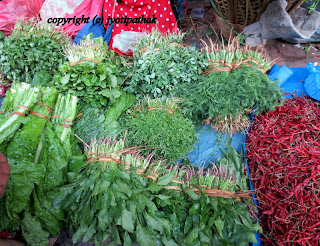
(124,197)
(283,151)
(161,63)
(37,138)
(226,99)
(91,73)
(161,124)
(87,157)
(33,47)
(231,56)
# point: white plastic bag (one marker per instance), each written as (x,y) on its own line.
(126,41)
(58,8)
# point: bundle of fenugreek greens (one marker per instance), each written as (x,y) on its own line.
(160,63)
(122,197)
(36,135)
(33,48)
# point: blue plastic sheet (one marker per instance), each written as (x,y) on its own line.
(312,83)
(208,146)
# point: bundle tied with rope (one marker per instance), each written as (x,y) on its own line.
(227,58)
(111,153)
(155,122)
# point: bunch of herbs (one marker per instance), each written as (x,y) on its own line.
(225,99)
(160,123)
(161,63)
(32,48)
(121,197)
(92,73)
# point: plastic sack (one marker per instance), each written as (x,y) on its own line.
(282,74)
(58,8)
(126,41)
(292,85)
(13,10)
(71,9)
(312,83)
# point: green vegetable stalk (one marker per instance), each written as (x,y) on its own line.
(24,144)
(17,104)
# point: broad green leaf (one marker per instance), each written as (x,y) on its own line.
(166,179)
(219,225)
(144,237)
(127,221)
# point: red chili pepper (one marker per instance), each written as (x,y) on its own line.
(283,152)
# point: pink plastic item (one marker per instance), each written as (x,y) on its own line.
(12,10)
(87,8)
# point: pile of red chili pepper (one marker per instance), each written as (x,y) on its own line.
(283,151)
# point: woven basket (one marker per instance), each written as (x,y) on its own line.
(241,13)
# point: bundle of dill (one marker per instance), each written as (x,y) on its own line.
(226,99)
(161,124)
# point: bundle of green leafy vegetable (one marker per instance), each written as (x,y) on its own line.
(99,123)
(122,197)
(229,57)
(226,99)
(18,101)
(92,73)
(161,63)
(160,123)
(39,142)
(33,47)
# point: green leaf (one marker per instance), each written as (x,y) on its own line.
(219,225)
(64,80)
(90,232)
(193,195)
(144,237)
(167,242)
(127,221)
(153,223)
(166,179)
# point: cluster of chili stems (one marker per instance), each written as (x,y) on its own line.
(283,151)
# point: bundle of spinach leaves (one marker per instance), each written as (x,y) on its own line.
(31,48)
(161,124)
(114,200)
(161,63)
(226,98)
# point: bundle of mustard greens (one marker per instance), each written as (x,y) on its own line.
(122,197)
